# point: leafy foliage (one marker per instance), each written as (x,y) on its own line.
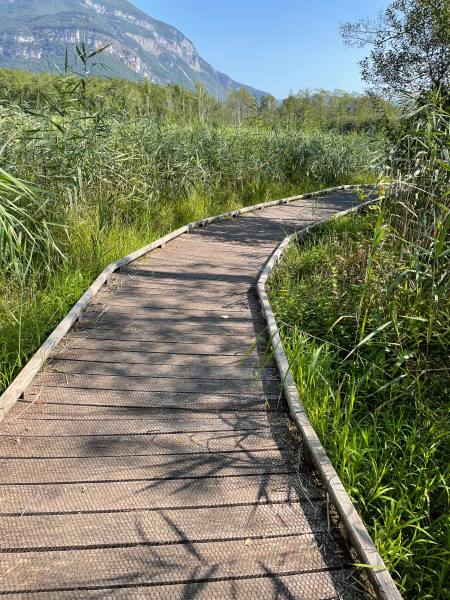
(25,234)
(339,111)
(410,47)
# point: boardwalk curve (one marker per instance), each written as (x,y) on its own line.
(153,457)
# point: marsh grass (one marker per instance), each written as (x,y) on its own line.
(364,313)
(382,412)
(81,186)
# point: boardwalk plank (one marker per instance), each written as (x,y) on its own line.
(86,366)
(157,384)
(161,526)
(190,335)
(226,346)
(141,401)
(152,444)
(177,465)
(57,420)
(325,585)
(160,494)
(173,563)
(125,357)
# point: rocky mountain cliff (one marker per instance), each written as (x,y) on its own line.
(34,35)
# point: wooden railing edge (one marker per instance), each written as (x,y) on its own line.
(23,380)
(363,544)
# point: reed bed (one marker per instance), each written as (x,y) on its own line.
(364,310)
(80,187)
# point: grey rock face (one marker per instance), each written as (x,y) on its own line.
(34,35)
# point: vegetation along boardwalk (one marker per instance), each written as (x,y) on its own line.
(152,457)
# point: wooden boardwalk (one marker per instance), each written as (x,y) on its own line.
(152,456)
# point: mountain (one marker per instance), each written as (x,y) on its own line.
(34,35)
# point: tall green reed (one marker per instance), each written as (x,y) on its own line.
(102,182)
(364,309)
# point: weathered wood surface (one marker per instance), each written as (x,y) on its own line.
(153,458)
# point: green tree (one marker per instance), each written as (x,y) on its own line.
(243,105)
(410,47)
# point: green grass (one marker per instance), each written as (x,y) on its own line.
(81,187)
(379,404)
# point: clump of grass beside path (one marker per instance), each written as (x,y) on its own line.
(376,391)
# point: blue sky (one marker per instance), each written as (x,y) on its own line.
(275,45)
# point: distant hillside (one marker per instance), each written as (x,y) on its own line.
(34,35)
